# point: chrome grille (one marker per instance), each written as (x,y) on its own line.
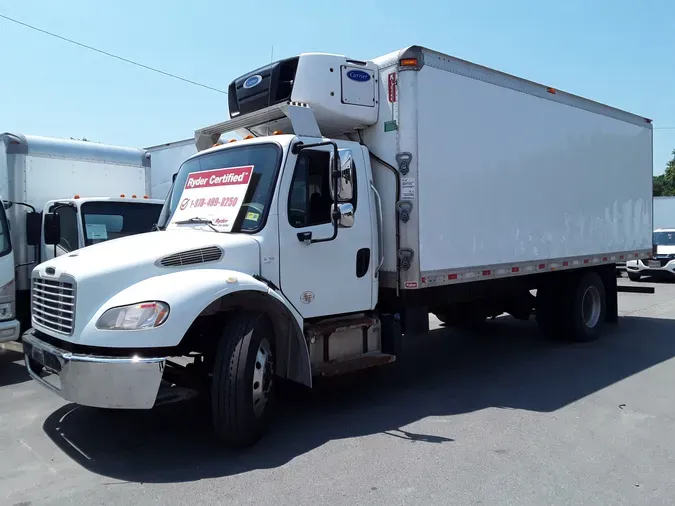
(193,256)
(53,304)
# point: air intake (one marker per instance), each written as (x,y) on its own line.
(193,256)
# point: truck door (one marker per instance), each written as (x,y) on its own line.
(332,277)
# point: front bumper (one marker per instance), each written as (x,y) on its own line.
(651,267)
(92,380)
(9,331)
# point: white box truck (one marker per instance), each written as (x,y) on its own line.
(363,196)
(165,160)
(84,192)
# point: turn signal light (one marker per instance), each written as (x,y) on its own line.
(277,132)
(77,196)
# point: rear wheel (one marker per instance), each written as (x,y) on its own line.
(243,380)
(583,308)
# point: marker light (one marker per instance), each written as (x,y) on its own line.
(408,62)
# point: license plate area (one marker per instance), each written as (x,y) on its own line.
(46,359)
(654,264)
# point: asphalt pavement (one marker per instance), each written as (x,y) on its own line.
(500,416)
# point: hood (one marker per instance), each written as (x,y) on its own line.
(146,250)
(105,269)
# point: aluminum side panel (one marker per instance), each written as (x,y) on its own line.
(505,176)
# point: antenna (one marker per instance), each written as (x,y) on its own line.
(272,54)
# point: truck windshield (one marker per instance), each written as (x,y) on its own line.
(5,244)
(664,238)
(242,208)
(107,220)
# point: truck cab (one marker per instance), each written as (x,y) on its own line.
(74,223)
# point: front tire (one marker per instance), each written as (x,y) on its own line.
(243,380)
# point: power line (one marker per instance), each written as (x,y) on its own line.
(110,54)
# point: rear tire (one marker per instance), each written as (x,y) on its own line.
(584,306)
(243,380)
(634,277)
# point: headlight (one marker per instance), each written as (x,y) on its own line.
(7,295)
(144,315)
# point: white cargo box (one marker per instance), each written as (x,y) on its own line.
(504,176)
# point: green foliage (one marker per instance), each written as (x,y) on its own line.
(664,184)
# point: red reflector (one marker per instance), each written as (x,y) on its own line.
(515,269)
(452,276)
(486,273)
(565,264)
(147,306)
(621,257)
(604,259)
(636,255)
(542,266)
(586,260)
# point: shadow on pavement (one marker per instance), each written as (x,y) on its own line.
(506,365)
(12,370)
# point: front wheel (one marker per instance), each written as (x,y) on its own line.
(243,380)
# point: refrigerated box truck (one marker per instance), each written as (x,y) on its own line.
(62,195)
(363,196)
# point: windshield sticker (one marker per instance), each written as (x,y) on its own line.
(97,232)
(251,216)
(214,196)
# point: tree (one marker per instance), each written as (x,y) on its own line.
(664,184)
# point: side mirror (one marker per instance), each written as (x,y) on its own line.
(346,175)
(7,204)
(52,230)
(345,215)
(173,178)
(33,224)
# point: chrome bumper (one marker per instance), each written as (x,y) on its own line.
(9,331)
(98,381)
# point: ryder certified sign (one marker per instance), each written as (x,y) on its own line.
(215,195)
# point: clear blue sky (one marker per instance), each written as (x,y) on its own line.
(619,52)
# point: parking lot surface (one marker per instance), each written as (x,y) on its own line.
(499,416)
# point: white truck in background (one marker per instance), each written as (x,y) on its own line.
(61,195)
(661,264)
(9,325)
(165,160)
(363,196)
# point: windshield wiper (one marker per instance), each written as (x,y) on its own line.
(204,221)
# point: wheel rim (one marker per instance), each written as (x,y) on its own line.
(263,374)
(591,307)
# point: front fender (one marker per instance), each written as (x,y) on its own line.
(188,293)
